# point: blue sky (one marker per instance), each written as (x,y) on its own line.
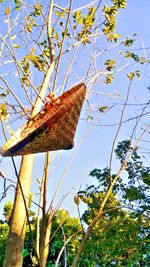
(95,149)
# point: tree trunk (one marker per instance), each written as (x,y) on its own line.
(44,245)
(15,243)
(46,219)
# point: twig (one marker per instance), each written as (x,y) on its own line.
(118,130)
(37,242)
(14,95)
(19,67)
(115,124)
(5,190)
(68,70)
(46,170)
(61,47)
(88,5)
(3,129)
(63,247)
(80,220)
(49,33)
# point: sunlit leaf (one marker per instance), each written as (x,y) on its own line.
(7,11)
(109,79)
(129,42)
(60,14)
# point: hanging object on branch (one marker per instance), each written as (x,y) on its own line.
(53,128)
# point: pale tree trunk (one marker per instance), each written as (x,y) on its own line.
(46,218)
(15,243)
(44,244)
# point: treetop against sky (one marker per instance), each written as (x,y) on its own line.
(101,113)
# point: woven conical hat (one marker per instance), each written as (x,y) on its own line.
(51,129)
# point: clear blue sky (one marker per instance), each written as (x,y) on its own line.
(94,152)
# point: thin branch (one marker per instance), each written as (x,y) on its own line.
(61,8)
(14,95)
(19,67)
(3,129)
(86,6)
(52,64)
(116,124)
(5,190)
(49,33)
(63,247)
(61,47)
(37,242)
(139,118)
(69,164)
(80,220)
(118,130)
(46,171)
(68,70)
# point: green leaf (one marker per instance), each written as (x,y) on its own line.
(18,4)
(137,73)
(110,64)
(120,3)
(37,10)
(109,79)
(16,46)
(7,11)
(56,36)
(131,75)
(3,112)
(103,109)
(60,14)
(89,19)
(113,37)
(78,17)
(84,198)
(146,179)
(25,253)
(128,54)
(128,42)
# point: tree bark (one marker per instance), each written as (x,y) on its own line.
(46,219)
(15,243)
(44,245)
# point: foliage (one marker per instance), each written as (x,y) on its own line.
(135,57)
(110,12)
(8,210)
(4,229)
(27,47)
(3,111)
(65,226)
(121,237)
(115,240)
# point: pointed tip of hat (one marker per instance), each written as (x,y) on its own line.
(50,130)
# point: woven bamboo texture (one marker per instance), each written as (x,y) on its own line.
(53,128)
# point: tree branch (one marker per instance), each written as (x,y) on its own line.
(101,207)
